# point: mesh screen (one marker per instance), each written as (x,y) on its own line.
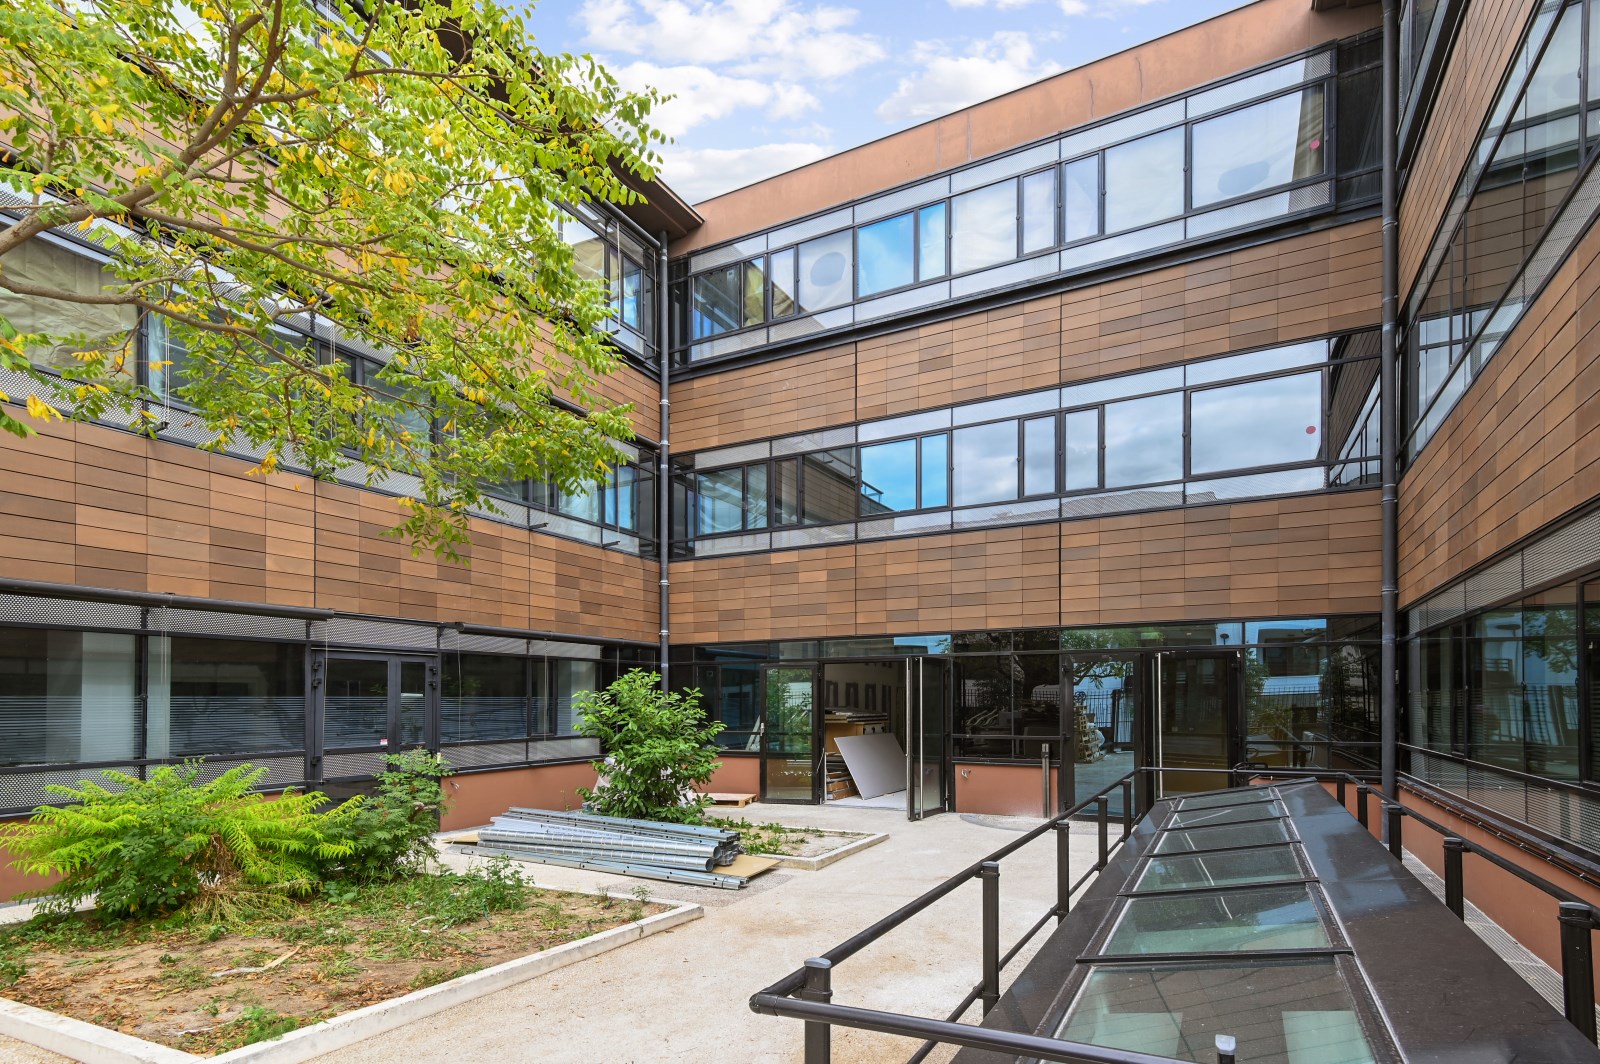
(30,609)
(354,631)
(207,622)
(487,754)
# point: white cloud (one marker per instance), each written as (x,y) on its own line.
(1104,9)
(699,173)
(947,82)
(782,38)
(703,95)
(1003,5)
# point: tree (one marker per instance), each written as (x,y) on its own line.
(658,746)
(394,166)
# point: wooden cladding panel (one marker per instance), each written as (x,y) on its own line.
(771,399)
(1486,42)
(628,385)
(91,506)
(1310,555)
(1521,448)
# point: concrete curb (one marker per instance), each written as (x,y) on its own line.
(98,1045)
(823,860)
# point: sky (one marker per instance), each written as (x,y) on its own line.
(763,86)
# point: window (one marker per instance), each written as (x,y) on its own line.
(786,493)
(45,263)
(984,227)
(888,478)
(986,463)
(569,679)
(1039,456)
(1258,147)
(825,272)
(715,302)
(1081,213)
(755,294)
(67,696)
(483,696)
(829,489)
(589,250)
(887,255)
(225,696)
(1144,440)
(755,497)
(1268,422)
(721,502)
(936,470)
(930,242)
(1144,181)
(780,270)
(1038,211)
(1083,450)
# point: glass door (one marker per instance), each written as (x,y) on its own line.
(927,746)
(1197,713)
(372,705)
(791,754)
(1101,723)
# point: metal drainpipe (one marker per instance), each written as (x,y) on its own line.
(1388,404)
(664,476)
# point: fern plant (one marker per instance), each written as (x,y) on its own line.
(173,841)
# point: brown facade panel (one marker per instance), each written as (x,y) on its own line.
(1485,44)
(773,399)
(1186,59)
(1521,447)
(91,506)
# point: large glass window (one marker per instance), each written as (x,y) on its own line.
(1038,211)
(1039,456)
(825,272)
(1083,450)
(889,477)
(225,696)
(1258,147)
(983,710)
(936,470)
(67,696)
(1144,440)
(780,270)
(886,255)
(1268,422)
(930,242)
(483,696)
(715,302)
(568,679)
(1081,206)
(829,488)
(1523,674)
(985,463)
(49,265)
(1144,181)
(983,228)
(720,501)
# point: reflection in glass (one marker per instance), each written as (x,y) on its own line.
(1039,456)
(1038,211)
(936,470)
(790,696)
(714,302)
(1083,450)
(983,227)
(982,705)
(755,497)
(829,489)
(780,271)
(569,679)
(1228,814)
(786,491)
(629,311)
(930,242)
(1229,868)
(755,294)
(986,463)
(825,272)
(1144,440)
(884,255)
(1258,918)
(588,248)
(1297,1011)
(1144,181)
(1522,670)
(208,696)
(1260,833)
(720,502)
(1258,147)
(1270,422)
(1082,199)
(889,477)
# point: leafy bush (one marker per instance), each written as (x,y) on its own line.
(171,842)
(391,833)
(658,747)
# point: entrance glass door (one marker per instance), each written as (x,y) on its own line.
(791,755)
(926,738)
(372,705)
(1197,716)
(1101,724)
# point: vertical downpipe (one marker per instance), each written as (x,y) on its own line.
(1389,404)
(664,475)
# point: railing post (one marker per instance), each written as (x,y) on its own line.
(818,987)
(1227,1047)
(989,872)
(1393,813)
(1577,966)
(1063,870)
(1127,808)
(1454,892)
(1339,787)
(1361,803)
(1102,806)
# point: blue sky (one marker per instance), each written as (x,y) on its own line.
(763,86)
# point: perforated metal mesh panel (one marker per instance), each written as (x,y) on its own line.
(1564,814)
(719,256)
(1494,583)
(908,524)
(894,202)
(1010,513)
(512,753)
(345,766)
(207,622)
(900,302)
(24,790)
(29,609)
(806,537)
(281,771)
(450,639)
(1254,485)
(355,631)
(552,749)
(1567,550)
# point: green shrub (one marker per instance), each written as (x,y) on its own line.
(657,746)
(391,833)
(171,842)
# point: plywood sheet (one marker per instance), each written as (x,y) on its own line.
(876,763)
(747,865)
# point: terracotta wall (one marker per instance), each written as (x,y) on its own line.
(1485,43)
(736,775)
(476,797)
(1206,51)
(1002,790)
(1313,555)
(92,506)
(1521,448)
(1273,293)
(13,882)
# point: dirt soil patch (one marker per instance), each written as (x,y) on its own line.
(779,840)
(206,990)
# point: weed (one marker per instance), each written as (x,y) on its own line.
(187,977)
(12,967)
(603,890)
(342,966)
(166,958)
(259,1024)
(552,917)
(431,977)
(641,894)
(212,1007)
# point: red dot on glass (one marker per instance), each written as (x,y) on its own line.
(1316,142)
(1311,430)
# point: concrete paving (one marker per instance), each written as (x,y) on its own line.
(684,995)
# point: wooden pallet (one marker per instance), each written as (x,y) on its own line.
(736,800)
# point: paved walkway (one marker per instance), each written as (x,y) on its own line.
(683,995)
